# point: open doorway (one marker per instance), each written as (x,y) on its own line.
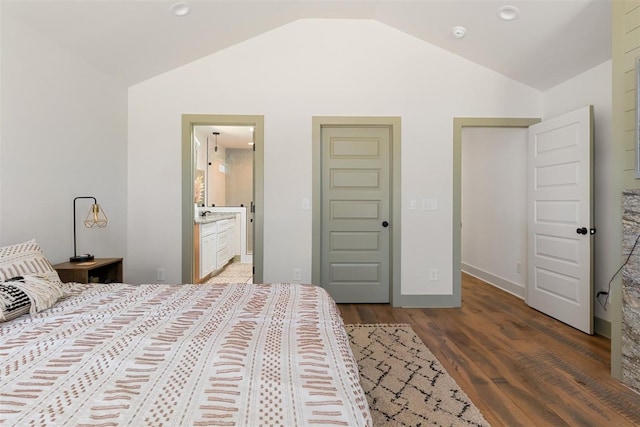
(459,123)
(559,279)
(222,204)
(224,188)
(494,206)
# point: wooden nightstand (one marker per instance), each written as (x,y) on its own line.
(99,270)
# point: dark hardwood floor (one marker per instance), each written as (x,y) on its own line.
(519,366)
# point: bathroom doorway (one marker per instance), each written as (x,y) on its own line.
(224,160)
(222,185)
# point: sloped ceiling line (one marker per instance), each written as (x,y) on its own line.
(133,41)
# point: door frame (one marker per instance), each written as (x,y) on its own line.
(394,123)
(188,177)
(455,300)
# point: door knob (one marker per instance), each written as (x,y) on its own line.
(582,230)
(385,224)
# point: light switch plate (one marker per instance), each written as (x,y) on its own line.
(429,204)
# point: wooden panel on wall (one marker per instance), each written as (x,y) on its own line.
(626,52)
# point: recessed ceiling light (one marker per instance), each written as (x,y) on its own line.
(459,32)
(508,13)
(179,8)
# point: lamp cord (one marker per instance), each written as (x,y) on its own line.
(608,291)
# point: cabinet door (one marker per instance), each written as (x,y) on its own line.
(234,238)
(224,249)
(204,254)
(208,255)
(211,260)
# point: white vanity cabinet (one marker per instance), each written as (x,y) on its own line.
(225,250)
(217,242)
(208,248)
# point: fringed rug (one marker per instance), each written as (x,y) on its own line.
(404,382)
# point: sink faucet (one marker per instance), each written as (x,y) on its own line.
(204,213)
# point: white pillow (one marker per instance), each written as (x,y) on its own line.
(25,259)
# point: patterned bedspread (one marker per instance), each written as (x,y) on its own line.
(181,355)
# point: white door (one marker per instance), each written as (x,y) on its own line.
(355,223)
(560,219)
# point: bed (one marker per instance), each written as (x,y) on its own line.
(178,355)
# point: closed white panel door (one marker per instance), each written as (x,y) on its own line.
(355,213)
(560,219)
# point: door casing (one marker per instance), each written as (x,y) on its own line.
(395,203)
(188,177)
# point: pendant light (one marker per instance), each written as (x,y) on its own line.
(216,135)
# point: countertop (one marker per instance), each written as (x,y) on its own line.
(213,217)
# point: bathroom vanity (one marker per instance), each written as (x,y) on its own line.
(219,236)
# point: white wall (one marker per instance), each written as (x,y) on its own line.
(2,35)
(494,206)
(594,88)
(304,69)
(63,135)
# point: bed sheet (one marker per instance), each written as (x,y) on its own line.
(180,355)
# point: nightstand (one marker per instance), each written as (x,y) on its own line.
(99,270)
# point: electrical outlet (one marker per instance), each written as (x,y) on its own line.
(413,204)
(297,274)
(160,275)
(306,204)
(518,267)
(434,274)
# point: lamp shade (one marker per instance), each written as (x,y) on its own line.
(96,217)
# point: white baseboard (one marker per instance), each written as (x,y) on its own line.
(497,281)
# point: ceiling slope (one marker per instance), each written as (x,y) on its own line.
(551,41)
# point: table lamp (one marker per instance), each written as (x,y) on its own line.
(96,216)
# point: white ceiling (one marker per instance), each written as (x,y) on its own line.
(134,40)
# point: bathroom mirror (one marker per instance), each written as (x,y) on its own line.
(224,164)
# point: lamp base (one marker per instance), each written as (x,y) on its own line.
(81,258)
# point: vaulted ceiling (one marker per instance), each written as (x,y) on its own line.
(134,40)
